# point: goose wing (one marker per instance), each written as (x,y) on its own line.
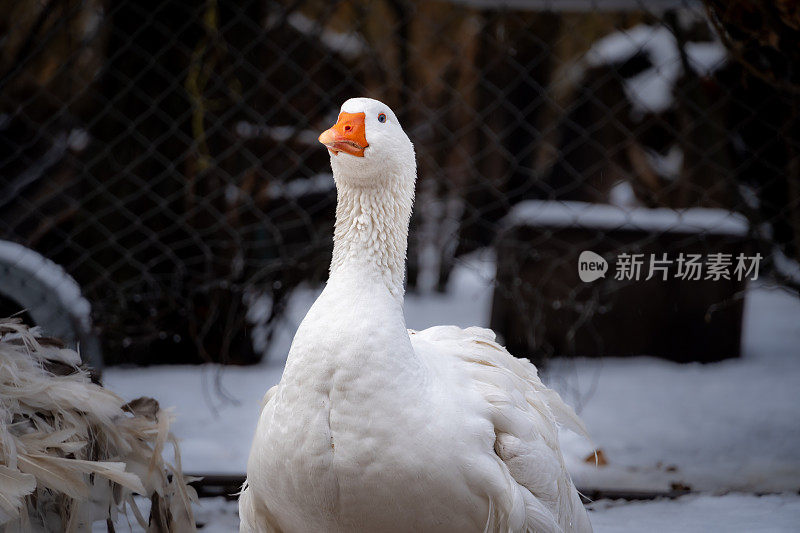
(525,415)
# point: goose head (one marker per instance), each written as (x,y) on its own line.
(368,147)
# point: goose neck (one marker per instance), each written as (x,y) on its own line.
(371,233)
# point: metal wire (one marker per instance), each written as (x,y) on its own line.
(166,157)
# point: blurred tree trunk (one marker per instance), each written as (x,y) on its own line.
(160,215)
(763,37)
(515,61)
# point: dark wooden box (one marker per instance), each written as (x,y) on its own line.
(541,308)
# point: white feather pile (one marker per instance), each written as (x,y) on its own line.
(73,453)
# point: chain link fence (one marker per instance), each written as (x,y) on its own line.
(164,155)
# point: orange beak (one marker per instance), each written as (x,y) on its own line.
(348,135)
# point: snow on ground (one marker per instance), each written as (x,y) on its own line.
(699,514)
(732,513)
(732,426)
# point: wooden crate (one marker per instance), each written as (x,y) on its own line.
(542,309)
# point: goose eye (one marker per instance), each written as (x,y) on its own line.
(382,118)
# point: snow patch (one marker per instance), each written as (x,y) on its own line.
(259,308)
(50,275)
(349,44)
(318,183)
(667,165)
(78,139)
(622,195)
(706,57)
(732,513)
(249,130)
(539,213)
(786,267)
(721,426)
(651,90)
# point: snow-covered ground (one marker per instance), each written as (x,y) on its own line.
(703,513)
(730,429)
(733,425)
(732,513)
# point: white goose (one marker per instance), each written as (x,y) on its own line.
(377,428)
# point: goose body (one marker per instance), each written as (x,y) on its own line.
(377,428)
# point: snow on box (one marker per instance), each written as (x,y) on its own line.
(555,214)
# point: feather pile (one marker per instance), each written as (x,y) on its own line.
(73,453)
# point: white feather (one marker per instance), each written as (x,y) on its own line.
(14,486)
(71,452)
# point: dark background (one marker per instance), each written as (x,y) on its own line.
(164,153)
